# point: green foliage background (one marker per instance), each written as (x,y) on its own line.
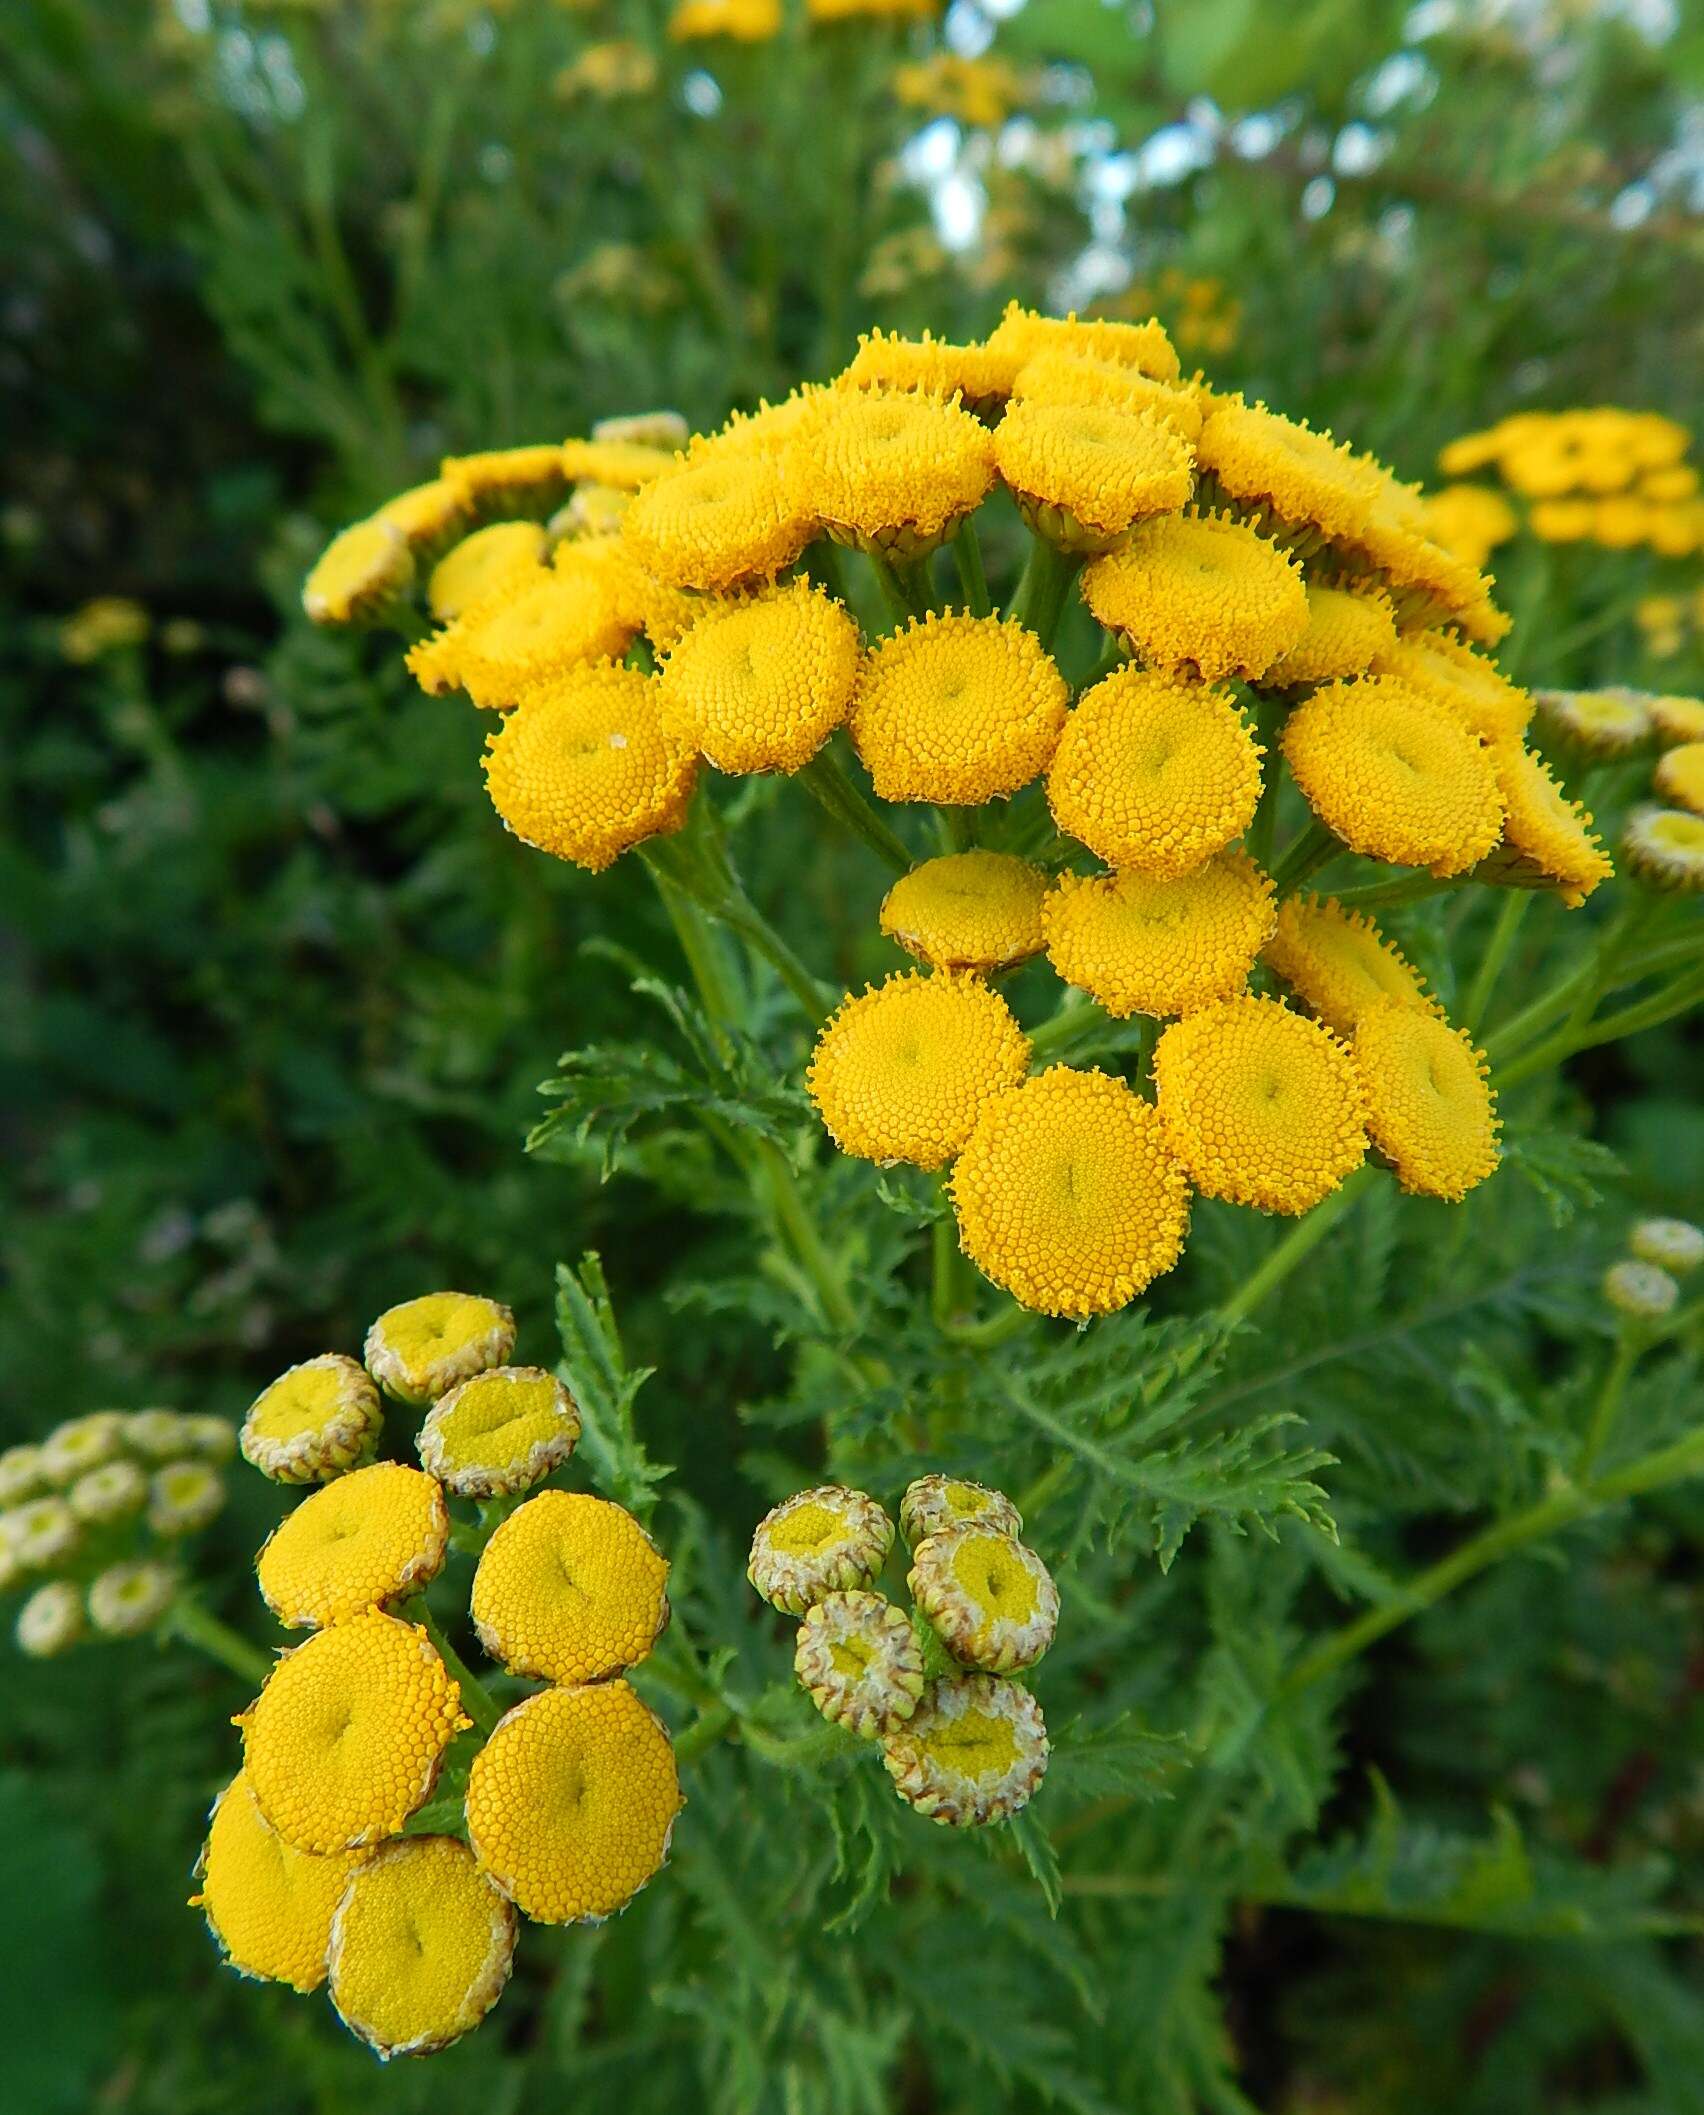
(278,997)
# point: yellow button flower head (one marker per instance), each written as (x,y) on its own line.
(528,632)
(858,1659)
(1083,473)
(481,564)
(627,453)
(1339,963)
(365,1540)
(127,1599)
(990,1600)
(1430,1110)
(500,1432)
(421,1947)
(958,709)
(1675,1244)
(430,516)
(1664,848)
(1272,464)
(719,519)
(114,1491)
(827,1540)
(509,481)
(346,1738)
(80,1444)
(1468,686)
(1200,591)
(1427,583)
(184,1497)
(929,365)
(1160,944)
(268,1906)
(1348,628)
(976,911)
(1022,335)
(213,1438)
(1068,1196)
(1394,775)
(22,1474)
(1155,771)
(315,1421)
(420,1348)
(665,430)
(1677,719)
(571,1802)
(361,576)
(1643,1290)
(569,1589)
(900,1072)
(41,1532)
(1597,723)
(1547,838)
(933,1503)
(1261,1106)
(760,685)
(51,1620)
(889,469)
(973,1751)
(1061,377)
(586,768)
(1679,777)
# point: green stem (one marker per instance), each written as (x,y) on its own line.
(794,1217)
(1300,1242)
(827,783)
(1039,598)
(1608,1406)
(705,1731)
(1258,843)
(999,1329)
(900,603)
(1406,888)
(967,557)
(1076,1017)
(945,1286)
(823,558)
(477,1700)
(1665,1005)
(1111,656)
(1306,856)
(192,1624)
(1504,934)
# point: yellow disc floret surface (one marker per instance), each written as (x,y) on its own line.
(760,685)
(369,1538)
(570,1588)
(968,910)
(1430,1109)
(361,571)
(345,1740)
(499,1432)
(488,560)
(527,631)
(314,1421)
(1347,630)
(888,469)
(1085,472)
(718,519)
(1470,688)
(1307,479)
(1023,334)
(973,1751)
(1202,592)
(420,1347)
(571,1803)
(1547,838)
(1160,944)
(268,1905)
(1339,963)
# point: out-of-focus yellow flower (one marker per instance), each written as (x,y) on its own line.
(1430,1110)
(109,624)
(508,482)
(1675,531)
(872,10)
(1142,943)
(976,911)
(1621,522)
(430,516)
(1678,481)
(616,68)
(530,629)
(1339,963)
(1601,723)
(362,576)
(981,91)
(1471,520)
(741,21)
(1677,719)
(1664,848)
(1679,777)
(1562,520)
(481,564)
(127,1599)
(569,1589)
(184,1497)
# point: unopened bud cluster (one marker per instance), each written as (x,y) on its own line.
(1643,1285)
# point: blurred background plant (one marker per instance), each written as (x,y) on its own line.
(277,996)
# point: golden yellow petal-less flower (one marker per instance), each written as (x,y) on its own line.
(1160,944)
(315,1421)
(510,481)
(977,911)
(719,519)
(1084,473)
(268,1905)
(1468,686)
(1677,719)
(1679,777)
(827,1540)
(1597,723)
(420,1347)
(483,563)
(569,1589)
(1061,377)
(1200,591)
(1347,629)
(625,461)
(1664,848)
(430,516)
(935,1502)
(528,631)
(988,1598)
(499,1432)
(369,1538)
(889,470)
(931,365)
(1339,963)
(1022,334)
(1430,1110)
(974,1751)
(361,575)
(760,685)
(1548,840)
(1270,464)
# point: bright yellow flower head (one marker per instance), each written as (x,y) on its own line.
(930,365)
(1679,777)
(1261,1106)
(1394,775)
(976,911)
(1339,963)
(585,769)
(1470,520)
(1265,462)
(570,1588)
(858,1659)
(345,1740)
(1677,719)
(503,482)
(480,565)
(525,633)
(1067,1195)
(268,1906)
(1427,583)
(1562,520)
(418,1349)
(1200,592)
(625,460)
(500,1432)
(365,1540)
(760,685)
(1547,838)
(974,1751)
(741,21)
(719,519)
(429,516)
(421,1947)
(958,709)
(900,1072)
(990,1600)
(1601,723)
(1061,377)
(1675,531)
(1021,335)
(316,1421)
(1154,772)
(1664,848)
(1469,687)
(1083,473)
(1348,628)
(1160,944)
(889,469)
(571,1802)
(828,1540)
(934,1503)
(361,575)
(1430,1109)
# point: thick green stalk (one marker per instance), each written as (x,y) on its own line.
(1299,1243)
(826,782)
(1607,1409)
(1504,934)
(1039,598)
(967,557)
(901,601)
(192,1624)
(1406,888)
(1074,1019)
(1306,856)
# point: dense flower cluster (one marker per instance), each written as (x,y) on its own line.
(94,1519)
(1616,478)
(391,1817)
(963,1741)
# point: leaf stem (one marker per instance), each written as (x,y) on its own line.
(192,1624)
(1504,934)
(826,781)
(967,557)
(1039,598)
(1299,1243)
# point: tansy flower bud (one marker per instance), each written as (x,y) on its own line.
(314,1422)
(365,1540)
(268,1905)
(990,1600)
(183,1497)
(569,1589)
(41,1532)
(859,1659)
(51,1620)
(500,1432)
(935,1503)
(1663,848)
(645,429)
(424,1346)
(158,1435)
(213,1438)
(1596,723)
(973,1751)
(421,1947)
(22,1474)
(1679,777)
(1644,1291)
(128,1599)
(82,1444)
(1675,1244)
(818,1542)
(110,1493)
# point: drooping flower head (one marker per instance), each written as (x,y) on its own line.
(499,1432)
(1679,777)
(1430,1109)
(934,1503)
(973,1751)
(423,1346)
(978,911)
(489,561)
(1160,944)
(827,1540)
(1673,1244)
(858,1659)
(1084,473)
(529,631)
(1202,592)
(1154,772)
(1338,963)
(1469,687)
(889,469)
(1664,849)
(1261,1106)
(1548,840)
(1067,1195)
(361,576)
(268,1905)
(315,1421)
(1274,466)
(1347,630)
(368,1539)
(900,1072)
(760,685)
(570,1589)
(989,1598)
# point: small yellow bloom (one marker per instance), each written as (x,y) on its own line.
(859,1661)
(934,1503)
(1426,583)
(109,624)
(978,911)
(483,563)
(1677,719)
(569,1589)
(664,431)
(760,685)
(81,1444)
(1347,629)
(430,516)
(1022,334)
(1664,848)
(618,67)
(1265,462)
(22,1474)
(115,1491)
(1061,377)
(499,483)
(315,1421)
(974,1751)
(1562,520)
(158,1435)
(1643,1291)
(1083,474)
(1470,520)
(368,1539)
(720,518)
(827,1540)
(416,1350)
(40,1533)
(990,1600)
(741,21)
(361,576)
(500,1432)
(930,366)
(1598,723)
(1679,777)
(526,633)
(1548,840)
(268,1906)
(1201,593)
(889,470)
(1339,963)
(1160,944)
(1430,1109)
(981,92)
(1468,686)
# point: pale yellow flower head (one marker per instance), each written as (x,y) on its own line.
(499,1432)
(826,1540)
(317,1420)
(974,1751)
(1664,848)
(1675,1244)
(989,1598)
(423,1346)
(1679,777)
(483,563)
(361,577)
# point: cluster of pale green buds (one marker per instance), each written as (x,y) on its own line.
(94,1516)
(1644,1286)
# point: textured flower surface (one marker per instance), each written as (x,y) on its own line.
(1085,472)
(369,1538)
(1547,838)
(1347,630)
(990,1600)
(570,1588)
(1679,777)
(718,519)
(420,1347)
(571,1802)
(268,1905)
(421,1947)
(1154,772)
(1430,1109)
(957,709)
(1200,591)
(888,469)
(1160,944)
(499,1432)
(1022,334)
(933,365)
(526,632)
(932,1503)
(1338,962)
(760,685)
(858,1659)
(1264,461)
(973,1751)
(317,1420)
(900,1072)
(1262,1106)
(822,1541)
(1469,687)
(1060,376)
(346,1739)
(360,574)
(1067,1194)
(977,911)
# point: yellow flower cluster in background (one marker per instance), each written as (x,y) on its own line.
(963,1741)
(393,1815)
(1202,314)
(979,92)
(93,1520)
